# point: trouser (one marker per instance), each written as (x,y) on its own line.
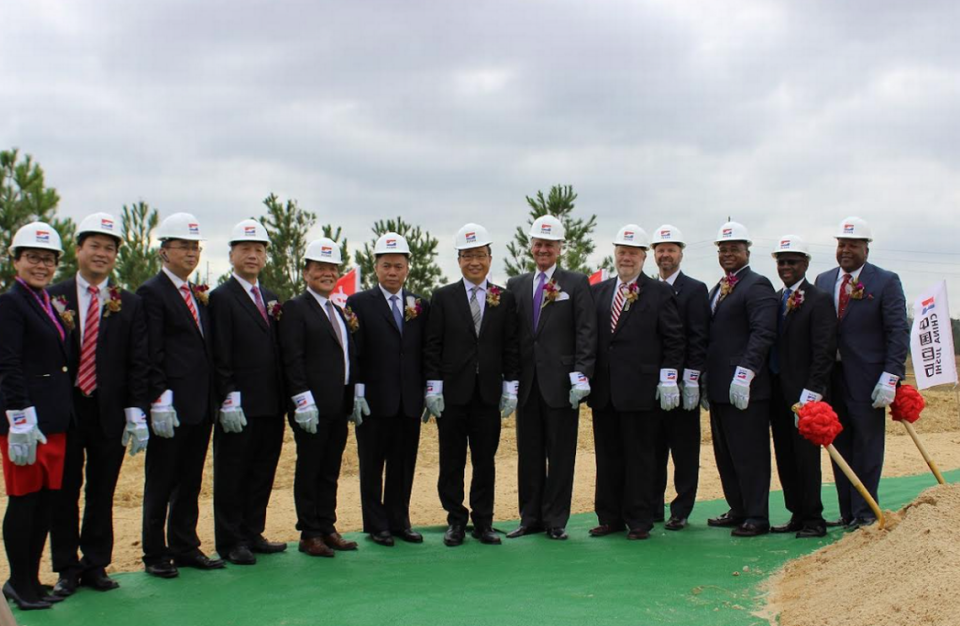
(318,470)
(391,444)
(104,458)
(174,475)
(741,443)
(798,463)
(477,425)
(244,466)
(681,438)
(861,444)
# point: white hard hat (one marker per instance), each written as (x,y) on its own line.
(668,234)
(854,228)
(733,231)
(547,227)
(471,236)
(99,224)
(791,243)
(391,243)
(633,236)
(249,230)
(323,250)
(38,235)
(180,226)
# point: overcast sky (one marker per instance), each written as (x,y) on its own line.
(788,116)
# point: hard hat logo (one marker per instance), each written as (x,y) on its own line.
(43,236)
(785,244)
(471,237)
(628,235)
(848,229)
(391,243)
(194,229)
(106,224)
(664,234)
(727,232)
(326,251)
(249,231)
(545,229)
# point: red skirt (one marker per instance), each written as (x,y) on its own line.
(46,473)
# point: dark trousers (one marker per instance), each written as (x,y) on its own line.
(741,443)
(476,425)
(244,466)
(174,475)
(861,443)
(798,463)
(104,458)
(547,453)
(389,443)
(680,437)
(318,470)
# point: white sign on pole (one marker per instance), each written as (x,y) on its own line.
(931,339)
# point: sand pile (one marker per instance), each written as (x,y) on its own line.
(905,575)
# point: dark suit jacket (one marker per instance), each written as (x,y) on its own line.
(122,360)
(742,329)
(388,364)
(33,363)
(181,358)
(565,340)
(873,336)
(453,351)
(649,336)
(807,344)
(695,314)
(246,350)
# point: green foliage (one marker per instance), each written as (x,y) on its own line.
(344,254)
(425,275)
(137,259)
(289,226)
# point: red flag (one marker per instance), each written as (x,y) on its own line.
(599,276)
(348,285)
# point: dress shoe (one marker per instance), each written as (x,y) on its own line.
(335,541)
(604,529)
(454,535)
(840,521)
(198,560)
(790,527)
(98,579)
(24,604)
(676,523)
(523,531)
(749,529)
(859,522)
(382,538)
(240,555)
(809,532)
(262,546)
(314,546)
(486,535)
(558,534)
(724,521)
(409,535)
(638,533)
(66,585)
(45,593)
(163,569)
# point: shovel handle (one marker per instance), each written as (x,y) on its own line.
(923,451)
(852,477)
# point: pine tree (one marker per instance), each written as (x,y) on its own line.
(137,258)
(288,226)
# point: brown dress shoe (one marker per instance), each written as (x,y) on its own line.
(637,534)
(603,530)
(335,541)
(315,546)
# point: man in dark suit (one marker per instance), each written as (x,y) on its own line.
(391,327)
(872,339)
(472,366)
(181,386)
(249,384)
(109,370)
(558,346)
(639,353)
(682,430)
(742,329)
(800,361)
(318,364)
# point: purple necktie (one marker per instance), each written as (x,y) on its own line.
(538,300)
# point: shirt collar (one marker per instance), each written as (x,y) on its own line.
(737,273)
(672,278)
(550,272)
(620,282)
(177,281)
(854,275)
(247,286)
(469,285)
(794,286)
(320,299)
(388,295)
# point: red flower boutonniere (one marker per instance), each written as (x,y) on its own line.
(274,310)
(727,285)
(413,309)
(795,300)
(857,292)
(633,292)
(551,291)
(113,303)
(493,295)
(353,324)
(67,316)
(200,293)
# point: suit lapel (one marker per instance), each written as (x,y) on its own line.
(38,309)
(524,297)
(314,306)
(246,303)
(384,305)
(487,308)
(181,305)
(545,308)
(73,303)
(605,298)
(460,295)
(637,304)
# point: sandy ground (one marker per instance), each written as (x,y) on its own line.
(939,428)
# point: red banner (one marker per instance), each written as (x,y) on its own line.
(599,276)
(348,285)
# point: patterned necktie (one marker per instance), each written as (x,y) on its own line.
(538,299)
(256,297)
(844,299)
(475,309)
(397,316)
(87,376)
(185,292)
(617,306)
(783,302)
(332,315)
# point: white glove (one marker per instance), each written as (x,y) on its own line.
(231,414)
(24,436)
(579,389)
(691,389)
(740,388)
(508,399)
(163,417)
(360,406)
(135,433)
(885,390)
(434,398)
(306,415)
(809,396)
(668,392)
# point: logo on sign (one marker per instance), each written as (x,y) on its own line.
(628,235)
(106,224)
(43,236)
(848,229)
(727,232)
(471,237)
(928,305)
(194,229)
(326,251)
(785,244)
(391,243)
(249,231)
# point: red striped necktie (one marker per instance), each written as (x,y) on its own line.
(618,306)
(185,292)
(87,376)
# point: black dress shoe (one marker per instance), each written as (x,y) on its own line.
(66,585)
(409,535)
(261,546)
(558,534)
(638,533)
(486,535)
(790,527)
(859,522)
(24,604)
(840,521)
(809,532)
(454,535)
(98,579)
(724,521)
(676,523)
(523,531)
(749,529)
(198,560)
(382,538)
(605,529)
(163,569)
(45,593)
(240,555)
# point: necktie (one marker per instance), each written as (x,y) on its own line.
(332,314)
(475,309)
(844,299)
(256,297)
(617,306)
(87,376)
(188,299)
(538,299)
(783,302)
(397,316)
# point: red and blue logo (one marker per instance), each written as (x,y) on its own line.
(784,244)
(249,231)
(301,402)
(391,243)
(471,237)
(43,236)
(727,232)
(848,229)
(545,229)
(326,251)
(928,305)
(628,235)
(665,234)
(19,419)
(194,229)
(741,375)
(106,224)
(671,376)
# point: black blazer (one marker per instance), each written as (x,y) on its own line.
(565,340)
(312,358)
(246,350)
(389,365)
(453,351)
(649,336)
(181,358)
(695,314)
(807,344)
(742,329)
(33,363)
(122,360)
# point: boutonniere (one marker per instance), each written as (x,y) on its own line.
(200,293)
(633,292)
(413,309)
(67,316)
(274,310)
(551,291)
(353,324)
(493,295)
(114,302)
(795,300)
(857,292)
(727,285)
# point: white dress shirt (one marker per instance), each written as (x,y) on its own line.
(248,287)
(716,296)
(336,319)
(536,278)
(672,278)
(481,294)
(83,301)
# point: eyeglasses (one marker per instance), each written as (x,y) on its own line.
(788,262)
(474,257)
(188,248)
(36,259)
